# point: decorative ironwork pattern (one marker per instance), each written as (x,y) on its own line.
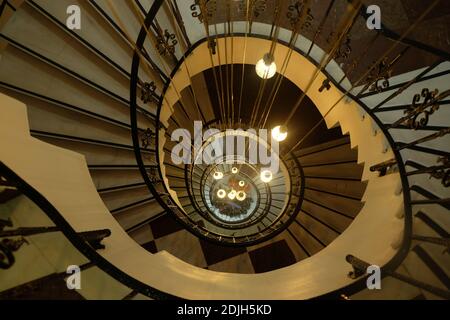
(344,50)
(242,8)
(444,172)
(418,115)
(378,79)
(7,249)
(380,75)
(152,174)
(259,7)
(166,43)
(294,15)
(210,7)
(148,92)
(147,137)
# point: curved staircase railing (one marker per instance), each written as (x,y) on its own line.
(374,85)
(383,117)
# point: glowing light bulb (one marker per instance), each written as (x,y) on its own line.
(266,67)
(279,133)
(241,196)
(234,170)
(232,194)
(218,175)
(221,194)
(266,176)
(241,183)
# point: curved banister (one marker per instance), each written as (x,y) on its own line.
(363,117)
(135,66)
(76,239)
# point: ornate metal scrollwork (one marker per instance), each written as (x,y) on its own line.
(242,8)
(166,43)
(418,115)
(148,92)
(294,15)
(444,172)
(344,50)
(259,7)
(380,76)
(197,12)
(7,249)
(147,137)
(152,174)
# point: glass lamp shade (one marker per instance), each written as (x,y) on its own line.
(266,176)
(241,196)
(266,67)
(218,175)
(221,194)
(241,183)
(279,133)
(232,194)
(234,170)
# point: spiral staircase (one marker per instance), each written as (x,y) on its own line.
(86,151)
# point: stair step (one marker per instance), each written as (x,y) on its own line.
(337,154)
(319,230)
(335,220)
(307,241)
(322,147)
(349,188)
(119,199)
(349,207)
(138,214)
(341,171)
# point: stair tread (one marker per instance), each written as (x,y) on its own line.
(354,189)
(321,147)
(346,206)
(337,154)
(320,231)
(335,220)
(308,242)
(342,171)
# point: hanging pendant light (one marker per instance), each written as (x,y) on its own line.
(232,194)
(279,133)
(241,183)
(234,170)
(266,67)
(217,175)
(241,196)
(221,194)
(266,176)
